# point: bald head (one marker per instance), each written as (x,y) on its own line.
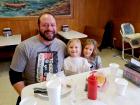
(47,26)
(44,14)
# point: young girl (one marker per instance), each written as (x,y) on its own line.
(90,52)
(74,64)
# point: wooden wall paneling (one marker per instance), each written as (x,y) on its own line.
(104,12)
(61,21)
(94,33)
(81,15)
(3,24)
(99,12)
(137,26)
(125,11)
(21,27)
(117,8)
(33,27)
(92,12)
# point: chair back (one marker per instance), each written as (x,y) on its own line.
(127,29)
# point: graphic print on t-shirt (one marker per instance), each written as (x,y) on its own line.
(46,62)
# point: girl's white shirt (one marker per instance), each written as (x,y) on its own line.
(76,64)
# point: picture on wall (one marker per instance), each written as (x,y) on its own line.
(12,8)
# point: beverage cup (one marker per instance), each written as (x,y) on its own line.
(121,86)
(113,69)
(54,92)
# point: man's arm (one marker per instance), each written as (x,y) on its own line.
(16,80)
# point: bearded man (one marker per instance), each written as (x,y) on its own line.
(36,57)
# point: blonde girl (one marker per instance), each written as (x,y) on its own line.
(74,63)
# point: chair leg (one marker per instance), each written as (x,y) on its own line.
(133,52)
(123,50)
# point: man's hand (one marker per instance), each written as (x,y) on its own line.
(19,86)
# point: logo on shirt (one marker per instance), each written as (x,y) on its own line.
(46,62)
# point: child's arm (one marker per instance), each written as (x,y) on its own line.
(86,65)
(99,62)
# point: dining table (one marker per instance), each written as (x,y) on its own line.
(10,40)
(76,94)
(71,34)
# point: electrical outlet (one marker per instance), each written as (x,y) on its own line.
(114,38)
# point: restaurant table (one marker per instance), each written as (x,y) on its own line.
(105,96)
(71,34)
(10,40)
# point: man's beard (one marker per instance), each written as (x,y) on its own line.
(45,37)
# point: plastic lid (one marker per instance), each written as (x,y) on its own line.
(5,29)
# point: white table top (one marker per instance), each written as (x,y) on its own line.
(107,96)
(72,34)
(10,40)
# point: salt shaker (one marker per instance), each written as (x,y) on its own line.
(92,87)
